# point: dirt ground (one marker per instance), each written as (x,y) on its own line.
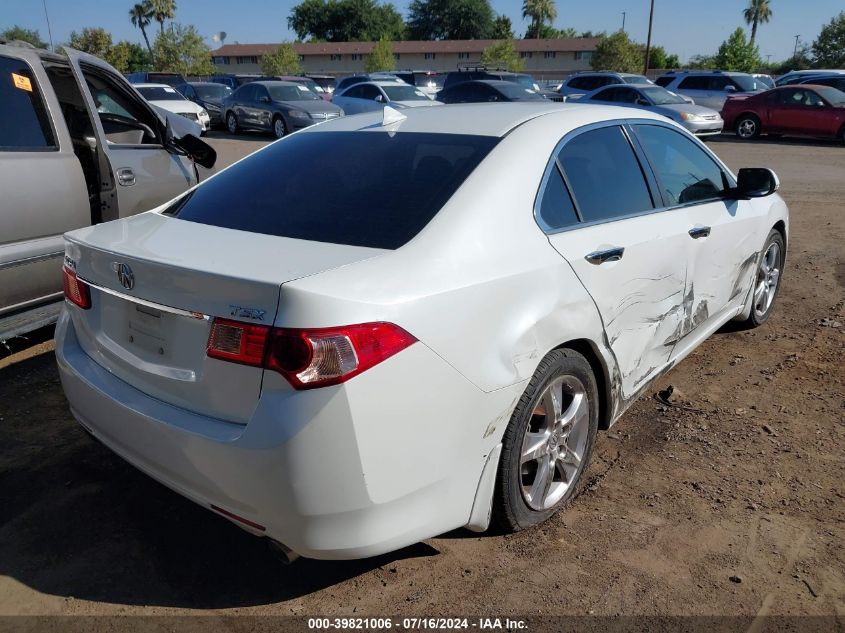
(731,502)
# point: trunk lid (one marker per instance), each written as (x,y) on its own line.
(156,284)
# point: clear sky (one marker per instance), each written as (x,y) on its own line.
(685,27)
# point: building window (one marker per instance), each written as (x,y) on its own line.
(550,54)
(430,55)
(220,61)
(396,56)
(356,57)
(584,55)
(526,55)
(337,58)
(463,55)
(247,59)
(302,58)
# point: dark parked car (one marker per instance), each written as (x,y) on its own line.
(801,110)
(279,107)
(234,81)
(209,95)
(834,81)
(483,90)
(171,79)
(523,79)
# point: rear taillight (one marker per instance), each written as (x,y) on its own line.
(308,358)
(76,290)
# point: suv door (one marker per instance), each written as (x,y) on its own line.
(130,133)
(630,259)
(723,235)
(43,187)
(697,87)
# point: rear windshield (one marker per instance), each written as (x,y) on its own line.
(636,79)
(171,79)
(156,93)
(212,91)
(369,189)
(292,93)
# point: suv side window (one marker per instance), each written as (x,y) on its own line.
(664,81)
(685,172)
(720,84)
(25,124)
(356,92)
(370,92)
(699,82)
(606,177)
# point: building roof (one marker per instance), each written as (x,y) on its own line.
(410,47)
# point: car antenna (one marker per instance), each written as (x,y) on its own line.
(392,117)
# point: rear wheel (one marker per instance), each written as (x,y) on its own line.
(232,123)
(748,127)
(279,127)
(548,442)
(767,281)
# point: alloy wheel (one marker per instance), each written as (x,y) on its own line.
(554,442)
(232,123)
(768,275)
(747,128)
(279,128)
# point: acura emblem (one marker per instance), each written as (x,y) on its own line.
(125,275)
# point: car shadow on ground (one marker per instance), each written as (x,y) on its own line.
(243,135)
(78,521)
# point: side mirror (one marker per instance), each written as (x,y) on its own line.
(642,102)
(380,99)
(201,152)
(730,88)
(756,182)
(264,99)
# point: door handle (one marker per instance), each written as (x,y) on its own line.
(609,255)
(125,176)
(699,231)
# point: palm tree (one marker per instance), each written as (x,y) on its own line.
(163,10)
(141,15)
(757,12)
(540,12)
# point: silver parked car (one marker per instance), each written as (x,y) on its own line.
(584,82)
(78,146)
(370,96)
(697,119)
(711,88)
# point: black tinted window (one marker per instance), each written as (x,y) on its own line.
(664,81)
(695,83)
(359,188)
(24,124)
(685,172)
(606,177)
(556,208)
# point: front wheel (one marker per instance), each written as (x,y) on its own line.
(232,123)
(748,127)
(767,281)
(279,127)
(548,442)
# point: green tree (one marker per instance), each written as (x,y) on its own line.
(24,35)
(381,58)
(800,60)
(673,61)
(829,47)
(141,15)
(701,62)
(757,12)
(346,21)
(502,55)
(284,61)
(162,10)
(128,57)
(502,28)
(540,11)
(736,53)
(96,41)
(450,20)
(182,49)
(617,52)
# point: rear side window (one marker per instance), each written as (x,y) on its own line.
(701,82)
(606,178)
(369,189)
(664,81)
(24,124)
(556,209)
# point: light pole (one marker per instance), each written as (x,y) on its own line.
(648,41)
(795,50)
(623,20)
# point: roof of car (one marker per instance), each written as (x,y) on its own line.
(202,83)
(153,86)
(483,119)
(271,82)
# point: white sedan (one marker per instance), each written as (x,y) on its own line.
(432,343)
(373,96)
(168,98)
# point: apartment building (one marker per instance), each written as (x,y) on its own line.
(544,58)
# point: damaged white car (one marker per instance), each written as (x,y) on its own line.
(432,342)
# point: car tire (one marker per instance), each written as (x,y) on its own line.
(279,127)
(538,470)
(748,127)
(767,280)
(232,123)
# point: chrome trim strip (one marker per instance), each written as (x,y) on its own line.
(30,260)
(149,304)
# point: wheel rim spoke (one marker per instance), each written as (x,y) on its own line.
(768,277)
(575,412)
(542,482)
(534,446)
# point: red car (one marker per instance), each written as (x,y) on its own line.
(803,110)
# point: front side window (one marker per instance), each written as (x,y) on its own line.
(404,93)
(606,178)
(25,124)
(364,180)
(685,173)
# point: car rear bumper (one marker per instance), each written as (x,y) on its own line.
(349,471)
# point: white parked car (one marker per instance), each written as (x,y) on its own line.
(168,98)
(373,96)
(349,377)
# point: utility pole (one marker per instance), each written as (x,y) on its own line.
(623,20)
(648,41)
(795,50)
(49,31)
